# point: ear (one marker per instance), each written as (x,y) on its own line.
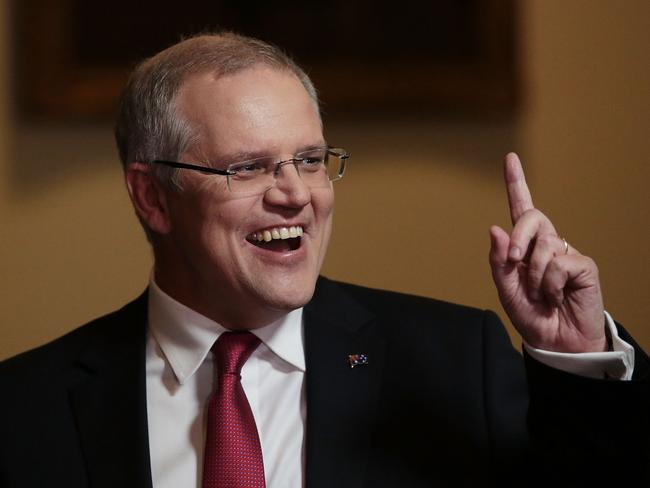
(148,197)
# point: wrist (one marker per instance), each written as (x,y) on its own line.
(609,344)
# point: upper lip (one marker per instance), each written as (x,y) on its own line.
(277,226)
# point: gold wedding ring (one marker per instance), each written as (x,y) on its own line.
(566,245)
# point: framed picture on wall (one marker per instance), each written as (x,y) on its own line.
(73,56)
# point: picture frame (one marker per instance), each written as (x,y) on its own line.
(445,56)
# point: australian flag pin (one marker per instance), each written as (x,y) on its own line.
(357,360)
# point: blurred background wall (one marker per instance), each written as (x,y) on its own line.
(412,213)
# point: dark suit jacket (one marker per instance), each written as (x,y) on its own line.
(443,401)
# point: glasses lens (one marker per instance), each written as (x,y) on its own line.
(251,176)
(316,167)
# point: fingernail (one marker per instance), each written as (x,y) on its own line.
(514,253)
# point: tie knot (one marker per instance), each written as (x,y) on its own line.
(232,349)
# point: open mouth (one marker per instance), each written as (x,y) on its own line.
(278,239)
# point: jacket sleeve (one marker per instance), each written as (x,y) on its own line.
(590,432)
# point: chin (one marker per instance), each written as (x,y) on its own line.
(286,298)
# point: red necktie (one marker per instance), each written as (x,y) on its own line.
(233,456)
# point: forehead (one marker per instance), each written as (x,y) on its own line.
(259,109)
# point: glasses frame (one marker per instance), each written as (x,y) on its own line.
(338,152)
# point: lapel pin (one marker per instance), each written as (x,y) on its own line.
(357,360)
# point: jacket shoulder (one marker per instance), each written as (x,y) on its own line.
(44,361)
(385,303)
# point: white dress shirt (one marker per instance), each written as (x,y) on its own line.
(180,372)
(617,364)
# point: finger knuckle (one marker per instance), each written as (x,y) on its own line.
(546,240)
(535,213)
(555,264)
(534,279)
(591,264)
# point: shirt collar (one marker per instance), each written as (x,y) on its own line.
(185,336)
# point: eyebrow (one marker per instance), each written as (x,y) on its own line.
(243,156)
(248,155)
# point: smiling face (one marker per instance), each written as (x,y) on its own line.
(226,255)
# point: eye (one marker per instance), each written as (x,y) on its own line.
(312,160)
(249,169)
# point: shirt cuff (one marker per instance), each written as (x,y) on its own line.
(617,364)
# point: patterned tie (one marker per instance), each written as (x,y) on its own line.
(233,456)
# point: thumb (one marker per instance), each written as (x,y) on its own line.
(504,272)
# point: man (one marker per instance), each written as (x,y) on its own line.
(334,385)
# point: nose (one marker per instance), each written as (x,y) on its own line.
(289,190)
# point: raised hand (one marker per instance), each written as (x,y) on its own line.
(549,290)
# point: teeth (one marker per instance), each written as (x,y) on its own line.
(277,233)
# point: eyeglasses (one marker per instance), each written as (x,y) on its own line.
(316,167)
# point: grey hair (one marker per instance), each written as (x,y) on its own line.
(149,126)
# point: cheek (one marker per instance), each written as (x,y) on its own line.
(323,203)
(214,187)
(224,221)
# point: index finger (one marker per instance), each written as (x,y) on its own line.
(519,197)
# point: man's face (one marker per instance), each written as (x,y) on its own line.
(210,260)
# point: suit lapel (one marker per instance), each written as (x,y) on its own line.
(341,401)
(108,399)
(110,407)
